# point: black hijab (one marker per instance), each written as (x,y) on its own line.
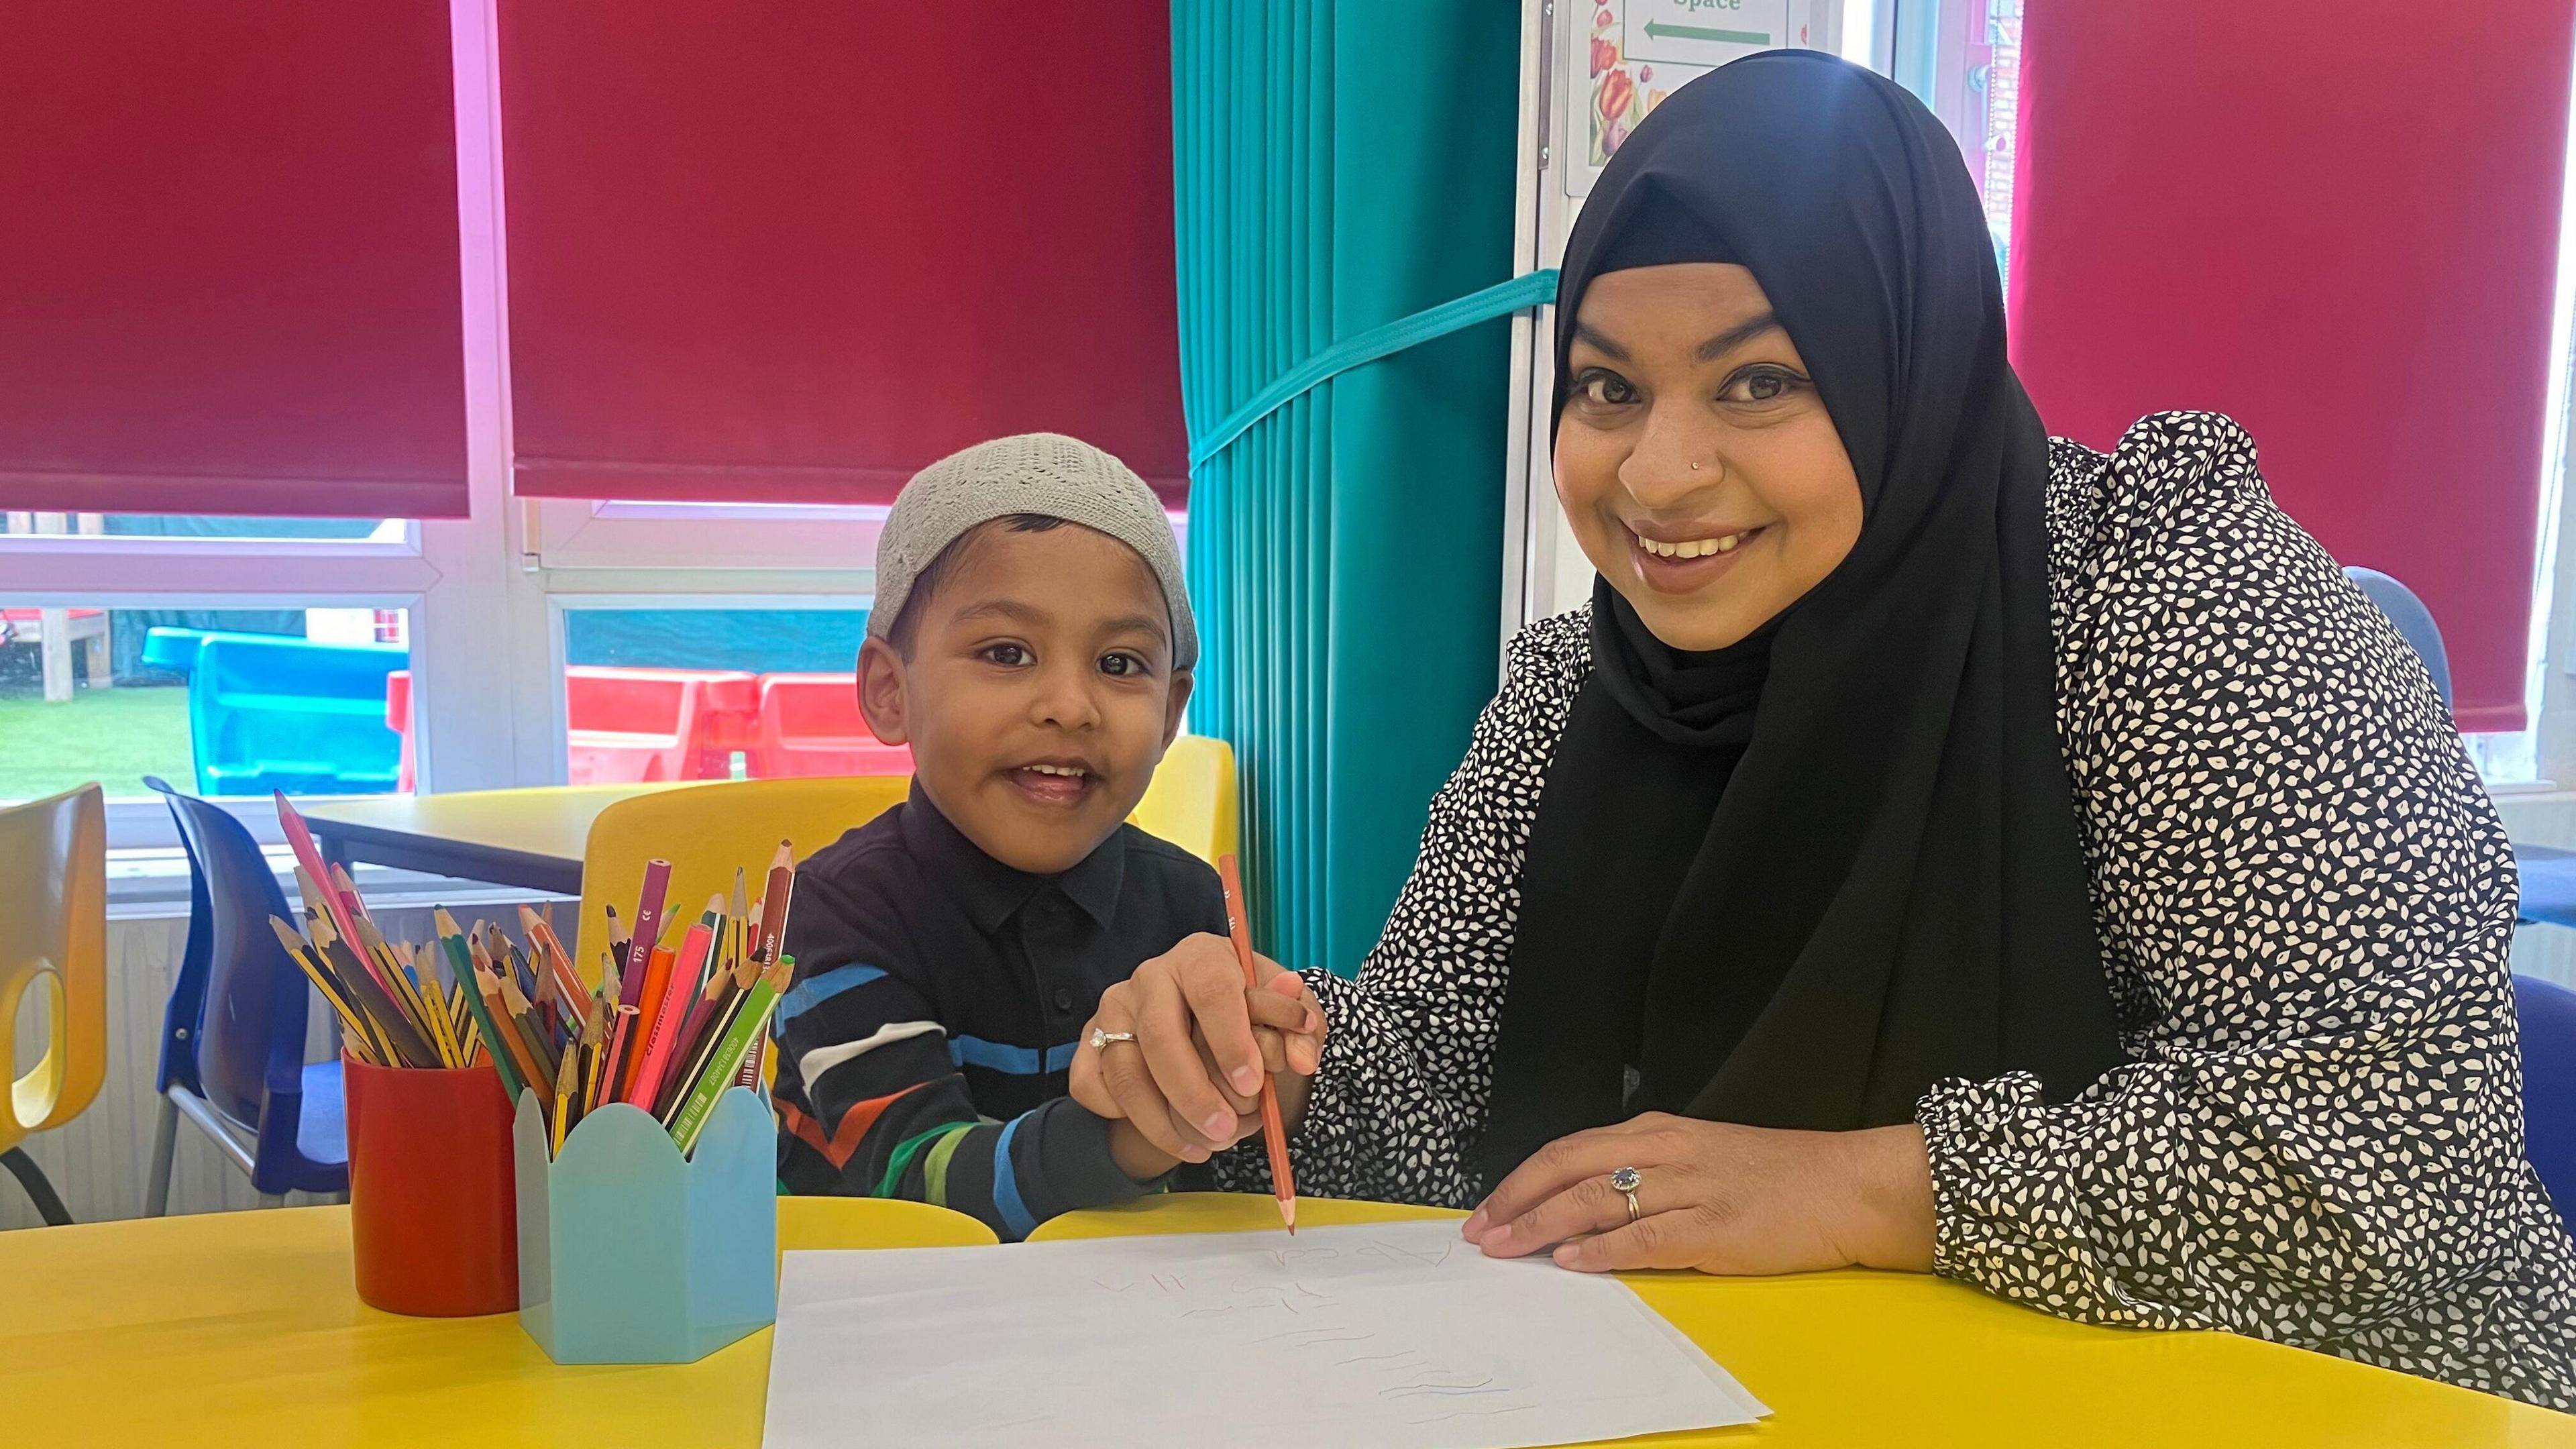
(1796,882)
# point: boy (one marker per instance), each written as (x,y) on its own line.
(1033,643)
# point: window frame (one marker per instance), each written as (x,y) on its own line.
(573,534)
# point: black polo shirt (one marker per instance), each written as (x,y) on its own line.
(933,1017)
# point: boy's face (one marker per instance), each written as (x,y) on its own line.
(1039,694)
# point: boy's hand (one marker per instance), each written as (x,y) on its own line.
(1139,1159)
(1189,1081)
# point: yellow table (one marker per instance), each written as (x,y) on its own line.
(241,1329)
(530,838)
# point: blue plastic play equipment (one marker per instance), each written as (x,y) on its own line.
(232,1036)
(274,712)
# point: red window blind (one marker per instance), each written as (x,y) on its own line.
(228,238)
(2339,229)
(792,252)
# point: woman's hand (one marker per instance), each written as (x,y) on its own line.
(1190,1081)
(1718,1197)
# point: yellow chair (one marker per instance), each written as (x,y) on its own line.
(709,831)
(53,932)
(1193,802)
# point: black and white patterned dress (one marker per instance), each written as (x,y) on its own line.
(2305,901)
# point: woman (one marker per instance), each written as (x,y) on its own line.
(1936,847)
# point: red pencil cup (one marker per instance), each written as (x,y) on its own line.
(433,1206)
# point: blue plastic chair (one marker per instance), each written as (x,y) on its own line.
(2547,1013)
(232,1036)
(2548,873)
(274,712)
(2414,623)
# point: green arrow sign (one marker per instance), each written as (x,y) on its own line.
(1656,29)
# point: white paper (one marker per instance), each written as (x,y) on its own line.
(1393,1333)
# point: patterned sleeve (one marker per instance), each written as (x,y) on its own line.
(1398,1106)
(2306,903)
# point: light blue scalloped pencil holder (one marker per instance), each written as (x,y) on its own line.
(630,1254)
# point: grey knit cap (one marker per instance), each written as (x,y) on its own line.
(1042,473)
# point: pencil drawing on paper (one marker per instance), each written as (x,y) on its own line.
(1393,1331)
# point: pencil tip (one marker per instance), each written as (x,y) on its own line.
(1288,1214)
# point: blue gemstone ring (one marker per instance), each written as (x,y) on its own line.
(1624,1182)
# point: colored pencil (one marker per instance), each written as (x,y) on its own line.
(412,1048)
(775,896)
(648,1009)
(746,928)
(354,1026)
(541,937)
(604,1009)
(460,969)
(750,1017)
(564,1075)
(648,926)
(371,948)
(702,1060)
(308,857)
(618,936)
(1275,1136)
(694,1035)
(347,890)
(674,1009)
(505,1041)
(594,1047)
(320,903)
(666,1024)
(523,1020)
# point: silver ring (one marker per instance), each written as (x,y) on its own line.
(1624,1182)
(1100,1038)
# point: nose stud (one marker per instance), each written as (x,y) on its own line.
(1694,467)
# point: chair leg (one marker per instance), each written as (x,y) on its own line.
(32,1178)
(165,1145)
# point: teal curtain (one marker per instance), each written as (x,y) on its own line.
(1339,166)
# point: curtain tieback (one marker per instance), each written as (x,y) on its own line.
(1530,289)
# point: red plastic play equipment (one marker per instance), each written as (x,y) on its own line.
(809,724)
(630,726)
(635,725)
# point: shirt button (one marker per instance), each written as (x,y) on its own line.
(1064,1001)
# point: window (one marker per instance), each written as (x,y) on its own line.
(655,692)
(1963,58)
(206,526)
(218,701)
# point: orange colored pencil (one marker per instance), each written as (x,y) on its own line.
(657,980)
(1275,1136)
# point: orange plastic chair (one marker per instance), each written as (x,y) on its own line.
(53,933)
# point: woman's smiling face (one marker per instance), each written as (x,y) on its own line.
(1695,460)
